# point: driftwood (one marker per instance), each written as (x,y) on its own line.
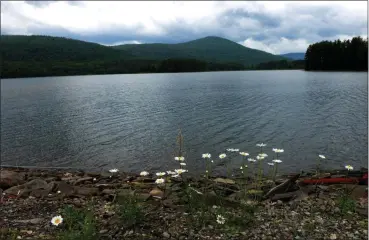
(285,196)
(283,187)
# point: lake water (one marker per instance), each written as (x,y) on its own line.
(131,122)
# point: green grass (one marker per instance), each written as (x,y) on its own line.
(79,224)
(346,204)
(130,211)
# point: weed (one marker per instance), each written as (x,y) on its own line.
(346,204)
(80,224)
(130,211)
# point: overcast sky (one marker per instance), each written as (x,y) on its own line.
(275,27)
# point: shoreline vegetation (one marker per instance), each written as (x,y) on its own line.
(42,56)
(246,203)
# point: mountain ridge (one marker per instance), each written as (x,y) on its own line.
(36,55)
(210,48)
(294,55)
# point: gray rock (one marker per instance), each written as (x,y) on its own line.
(65,188)
(108,192)
(103,231)
(224,180)
(166,235)
(84,191)
(43,192)
(37,184)
(30,221)
(157,193)
(11,178)
(82,180)
(37,188)
(19,191)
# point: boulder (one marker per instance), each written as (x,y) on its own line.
(11,178)
(157,193)
(37,188)
(19,191)
(65,188)
(43,192)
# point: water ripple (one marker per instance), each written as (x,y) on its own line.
(131,121)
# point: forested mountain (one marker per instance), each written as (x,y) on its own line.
(31,56)
(210,49)
(294,56)
(348,55)
(46,48)
(34,56)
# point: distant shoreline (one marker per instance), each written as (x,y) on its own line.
(251,70)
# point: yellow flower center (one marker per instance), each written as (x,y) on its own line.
(57,221)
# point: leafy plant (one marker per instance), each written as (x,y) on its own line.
(130,211)
(80,224)
(346,204)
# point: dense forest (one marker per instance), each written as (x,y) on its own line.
(279,65)
(37,56)
(348,55)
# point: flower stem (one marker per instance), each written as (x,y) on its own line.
(260,173)
(275,171)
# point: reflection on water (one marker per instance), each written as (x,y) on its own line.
(131,121)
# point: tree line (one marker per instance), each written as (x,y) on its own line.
(347,55)
(17,69)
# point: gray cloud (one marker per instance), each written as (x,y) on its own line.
(278,28)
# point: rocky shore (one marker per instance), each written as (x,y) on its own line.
(182,208)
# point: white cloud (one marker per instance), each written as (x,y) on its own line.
(282,46)
(275,26)
(123,42)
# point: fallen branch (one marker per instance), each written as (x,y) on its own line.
(283,187)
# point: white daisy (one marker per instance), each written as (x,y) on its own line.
(276,150)
(206,155)
(244,154)
(277,161)
(220,219)
(160,181)
(349,167)
(57,220)
(144,173)
(180,171)
(263,155)
(223,155)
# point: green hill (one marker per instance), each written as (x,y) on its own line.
(46,48)
(211,49)
(34,56)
